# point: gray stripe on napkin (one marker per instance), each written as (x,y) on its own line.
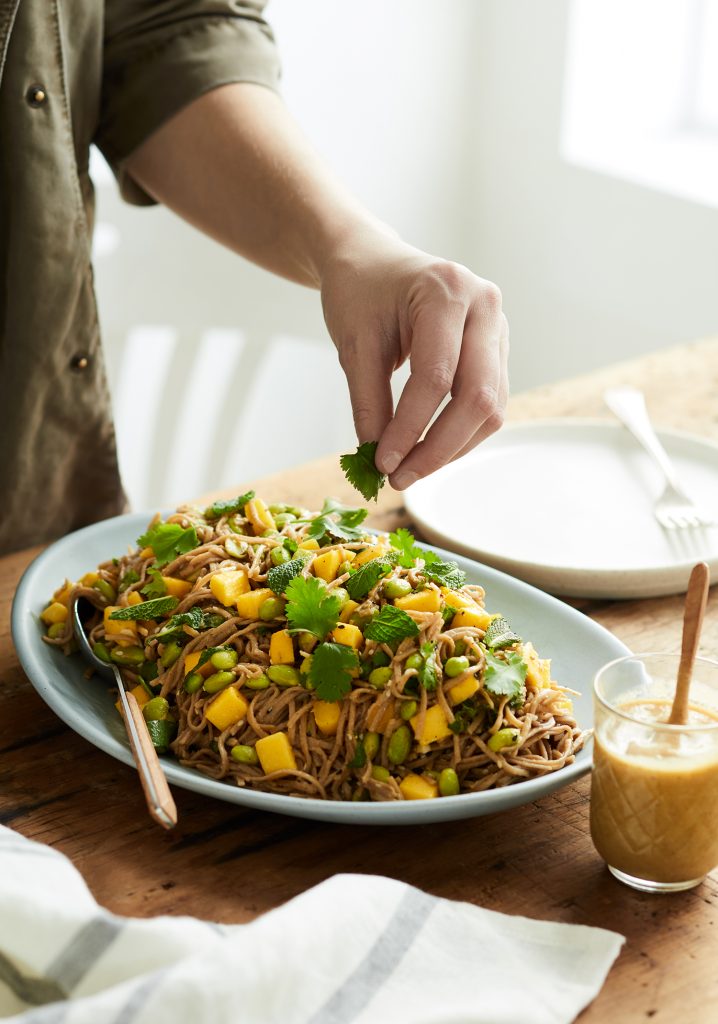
(84,949)
(380,962)
(31,990)
(139,996)
(53,1013)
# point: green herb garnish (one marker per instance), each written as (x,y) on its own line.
(506,677)
(365,579)
(338,521)
(391,625)
(157,586)
(228,508)
(330,670)
(195,618)
(128,579)
(446,574)
(428,671)
(168,541)
(361,472)
(499,635)
(147,610)
(409,551)
(280,576)
(311,607)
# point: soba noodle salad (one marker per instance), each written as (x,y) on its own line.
(296,653)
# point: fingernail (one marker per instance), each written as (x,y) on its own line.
(404,480)
(390,461)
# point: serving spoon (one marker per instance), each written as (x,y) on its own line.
(160,802)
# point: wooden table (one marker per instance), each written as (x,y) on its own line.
(229,865)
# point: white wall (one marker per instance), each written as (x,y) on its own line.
(446,120)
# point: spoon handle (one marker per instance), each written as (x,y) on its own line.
(160,802)
(696,598)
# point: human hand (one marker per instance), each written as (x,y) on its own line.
(385,301)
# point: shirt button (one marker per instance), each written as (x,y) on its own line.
(36,96)
(79,363)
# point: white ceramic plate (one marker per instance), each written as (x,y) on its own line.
(567,505)
(578,646)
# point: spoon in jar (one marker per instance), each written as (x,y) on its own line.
(695,606)
(160,802)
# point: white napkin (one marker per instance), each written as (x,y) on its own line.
(357,948)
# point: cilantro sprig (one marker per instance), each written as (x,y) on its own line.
(409,551)
(361,472)
(311,607)
(168,541)
(227,508)
(338,521)
(391,625)
(127,580)
(428,671)
(506,677)
(156,586)
(147,610)
(330,670)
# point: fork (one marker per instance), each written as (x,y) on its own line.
(674,510)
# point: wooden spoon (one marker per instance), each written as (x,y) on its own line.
(695,606)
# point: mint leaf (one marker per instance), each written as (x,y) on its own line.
(405,543)
(128,579)
(499,635)
(330,670)
(195,618)
(147,610)
(157,586)
(361,472)
(428,671)
(506,677)
(280,576)
(311,607)
(446,574)
(228,508)
(338,521)
(391,625)
(365,579)
(168,541)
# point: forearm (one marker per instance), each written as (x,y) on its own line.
(235,165)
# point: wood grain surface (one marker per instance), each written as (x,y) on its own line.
(229,865)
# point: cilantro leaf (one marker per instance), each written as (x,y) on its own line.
(147,610)
(195,618)
(405,543)
(464,714)
(446,574)
(311,607)
(280,576)
(359,759)
(506,677)
(390,625)
(428,671)
(339,521)
(157,586)
(168,540)
(227,508)
(361,472)
(365,579)
(128,579)
(500,635)
(330,670)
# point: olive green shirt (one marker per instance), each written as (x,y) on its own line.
(74,72)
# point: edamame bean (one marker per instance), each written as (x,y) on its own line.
(245,754)
(127,655)
(102,652)
(56,630)
(399,745)
(284,675)
(371,745)
(224,659)
(269,533)
(217,681)
(502,738)
(270,609)
(380,658)
(397,588)
(455,666)
(408,709)
(193,682)
(235,548)
(283,518)
(379,677)
(279,555)
(414,661)
(156,709)
(449,782)
(170,654)
(343,568)
(276,509)
(307,642)
(257,682)
(380,773)
(106,589)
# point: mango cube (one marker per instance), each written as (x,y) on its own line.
(177,587)
(228,708)
(63,594)
(281,648)
(423,601)
(275,753)
(309,545)
(379,716)
(259,516)
(348,634)
(456,599)
(463,690)
(191,664)
(134,597)
(325,566)
(115,626)
(139,693)
(326,715)
(435,726)
(89,578)
(348,610)
(538,670)
(475,617)
(228,586)
(55,612)
(368,554)
(418,787)
(248,604)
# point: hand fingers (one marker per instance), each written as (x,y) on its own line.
(369,383)
(435,351)
(475,403)
(488,428)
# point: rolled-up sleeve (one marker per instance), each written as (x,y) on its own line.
(160,55)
